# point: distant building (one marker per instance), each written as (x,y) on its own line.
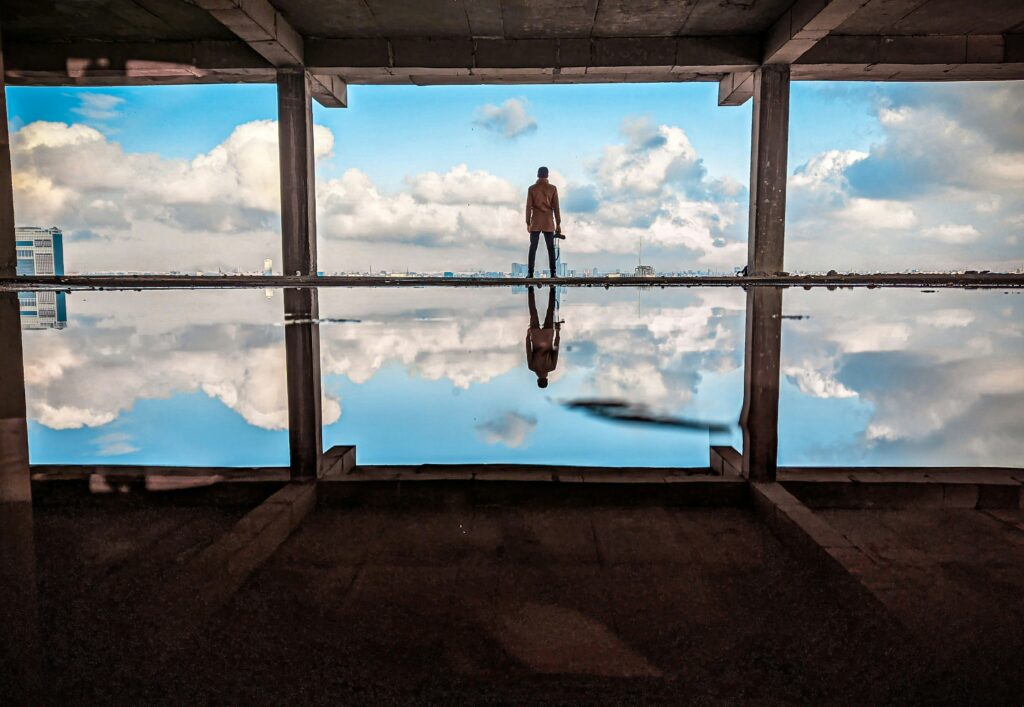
(563,270)
(520,270)
(268,266)
(40,251)
(449,274)
(643,271)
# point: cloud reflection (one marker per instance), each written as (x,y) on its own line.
(940,376)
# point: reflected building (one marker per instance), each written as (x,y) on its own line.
(41,252)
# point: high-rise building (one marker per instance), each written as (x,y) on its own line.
(268,266)
(519,270)
(40,251)
(563,269)
(643,271)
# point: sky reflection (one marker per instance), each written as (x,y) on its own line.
(890,377)
(903,378)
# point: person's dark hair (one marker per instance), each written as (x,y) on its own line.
(542,172)
(542,382)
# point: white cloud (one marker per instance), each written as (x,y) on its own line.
(953,233)
(653,155)
(948,318)
(98,106)
(114,444)
(509,428)
(817,383)
(878,214)
(825,170)
(144,212)
(510,119)
(462,186)
(944,171)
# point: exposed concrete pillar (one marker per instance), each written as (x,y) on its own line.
(769,147)
(8,256)
(298,240)
(19,647)
(760,417)
(14,479)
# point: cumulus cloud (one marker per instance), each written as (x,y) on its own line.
(939,190)
(652,156)
(122,348)
(220,210)
(927,397)
(156,344)
(509,428)
(930,398)
(510,119)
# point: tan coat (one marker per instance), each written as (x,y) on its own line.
(542,351)
(542,213)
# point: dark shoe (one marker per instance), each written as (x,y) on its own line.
(553,274)
(529,276)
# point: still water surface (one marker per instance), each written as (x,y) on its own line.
(893,377)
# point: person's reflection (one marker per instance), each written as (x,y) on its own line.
(542,341)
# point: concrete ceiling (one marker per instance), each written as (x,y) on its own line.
(147,20)
(117,42)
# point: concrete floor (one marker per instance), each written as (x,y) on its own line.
(955,577)
(516,606)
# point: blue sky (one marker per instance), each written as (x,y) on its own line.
(881,377)
(882,177)
(183,178)
(375,133)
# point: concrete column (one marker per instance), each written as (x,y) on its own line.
(14,479)
(298,241)
(760,417)
(769,147)
(19,647)
(8,256)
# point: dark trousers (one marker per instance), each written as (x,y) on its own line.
(549,239)
(549,318)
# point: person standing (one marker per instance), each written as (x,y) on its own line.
(543,216)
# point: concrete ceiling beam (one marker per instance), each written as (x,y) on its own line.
(803,25)
(260,25)
(133,63)
(443,58)
(522,61)
(914,58)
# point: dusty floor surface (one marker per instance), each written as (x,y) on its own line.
(508,606)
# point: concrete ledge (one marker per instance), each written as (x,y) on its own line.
(726,461)
(458,485)
(338,461)
(895,488)
(163,282)
(54,485)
